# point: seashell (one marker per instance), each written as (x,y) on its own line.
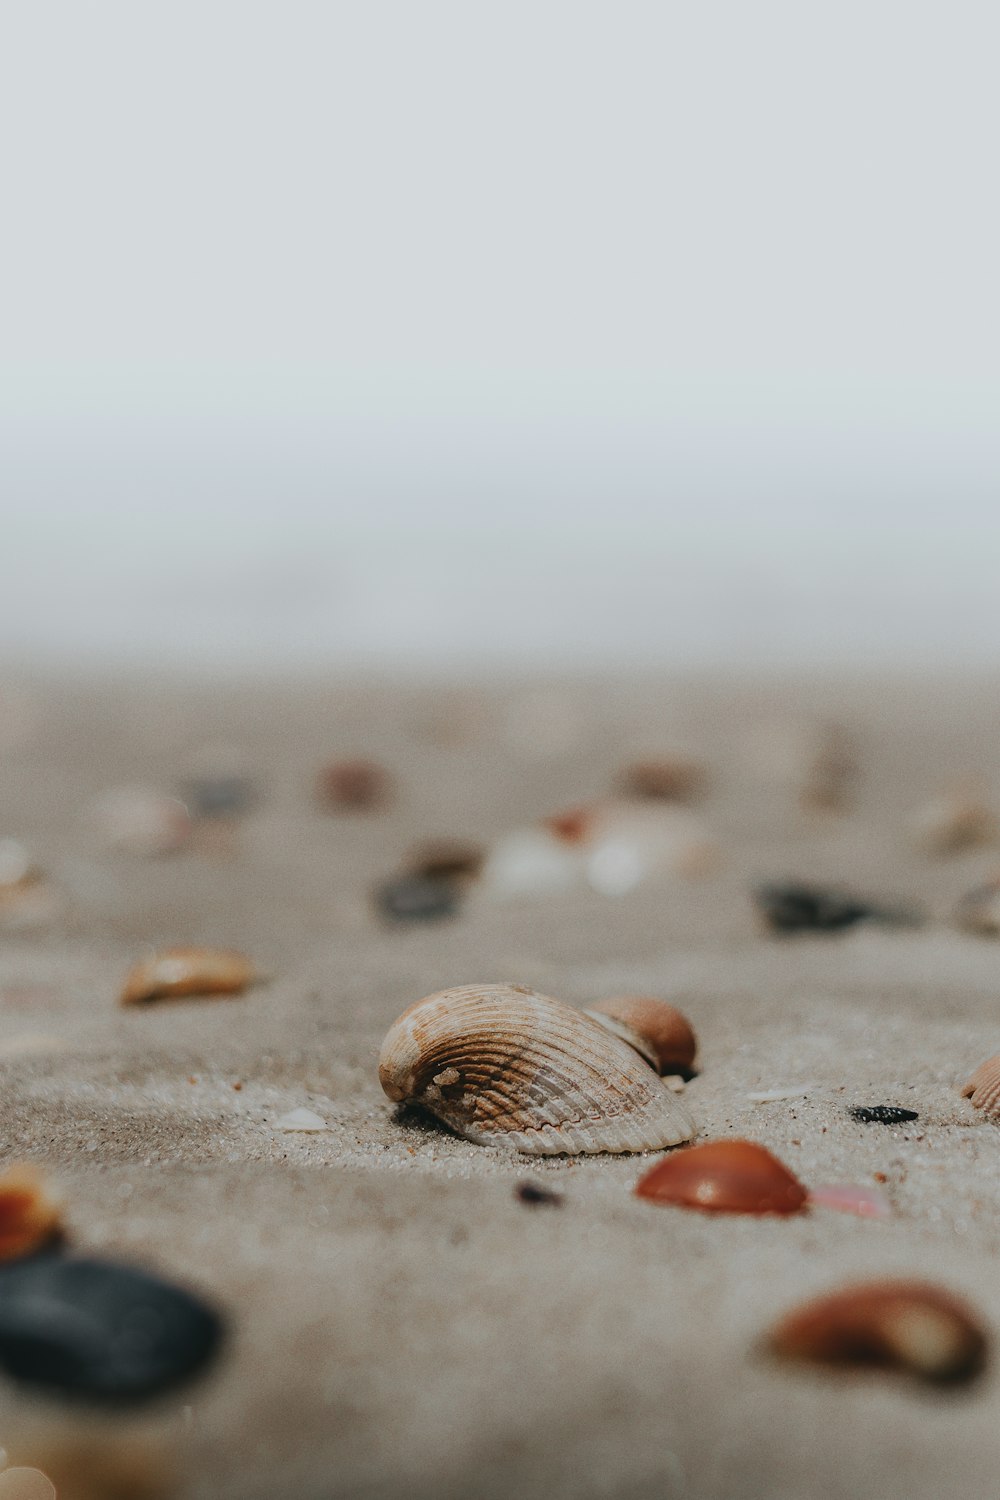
(30,1216)
(848,1198)
(673,778)
(737,1177)
(354,785)
(983,1088)
(531,862)
(659,1031)
(979,910)
(904,1325)
(446,859)
(140,821)
(177,972)
(832,772)
(954,821)
(305,1121)
(23,1483)
(504,1066)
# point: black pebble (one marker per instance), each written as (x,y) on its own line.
(218,796)
(533,1193)
(98,1330)
(881,1114)
(795,907)
(416,898)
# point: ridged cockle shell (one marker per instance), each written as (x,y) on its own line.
(983,1088)
(504,1066)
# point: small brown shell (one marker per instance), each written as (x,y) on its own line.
(446,859)
(664,1035)
(354,785)
(905,1325)
(504,1066)
(30,1216)
(735,1177)
(983,1088)
(673,778)
(177,972)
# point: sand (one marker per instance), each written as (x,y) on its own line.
(399,1323)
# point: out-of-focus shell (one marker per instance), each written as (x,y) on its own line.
(673,778)
(30,1216)
(983,1088)
(954,820)
(504,1066)
(979,910)
(188,971)
(659,1031)
(736,1177)
(904,1325)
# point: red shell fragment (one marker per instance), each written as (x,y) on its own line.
(738,1177)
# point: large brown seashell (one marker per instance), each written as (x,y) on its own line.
(736,1177)
(504,1066)
(30,1216)
(904,1325)
(177,972)
(659,1031)
(983,1088)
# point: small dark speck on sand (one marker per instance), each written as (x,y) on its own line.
(534,1193)
(881,1114)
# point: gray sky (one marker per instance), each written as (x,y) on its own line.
(425,331)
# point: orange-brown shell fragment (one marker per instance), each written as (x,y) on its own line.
(30,1216)
(670,778)
(903,1325)
(666,1035)
(736,1177)
(177,972)
(983,1088)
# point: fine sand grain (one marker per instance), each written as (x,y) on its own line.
(400,1323)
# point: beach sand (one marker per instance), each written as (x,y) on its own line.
(399,1323)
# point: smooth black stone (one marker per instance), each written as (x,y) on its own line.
(416,898)
(796,907)
(218,796)
(100,1331)
(881,1114)
(533,1193)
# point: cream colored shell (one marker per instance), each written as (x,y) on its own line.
(984,1088)
(504,1066)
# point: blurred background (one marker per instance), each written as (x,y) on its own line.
(435,335)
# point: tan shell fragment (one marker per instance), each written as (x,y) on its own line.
(177,972)
(504,1066)
(983,1088)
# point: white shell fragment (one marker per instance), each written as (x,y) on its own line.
(531,862)
(504,1066)
(306,1121)
(771,1096)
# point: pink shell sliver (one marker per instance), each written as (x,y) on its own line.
(850,1198)
(983,1088)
